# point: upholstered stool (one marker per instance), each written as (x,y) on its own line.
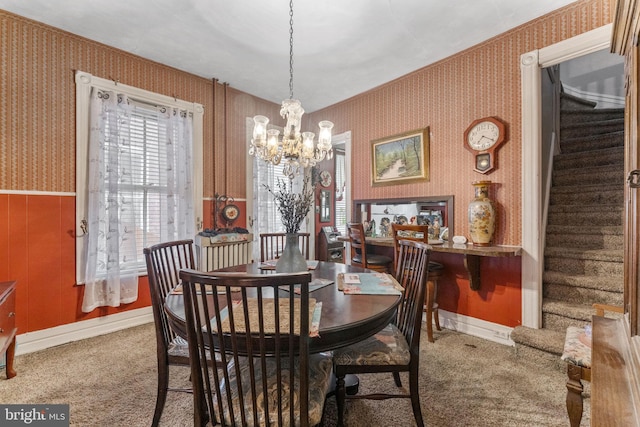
(577,354)
(381,263)
(431,298)
(359,255)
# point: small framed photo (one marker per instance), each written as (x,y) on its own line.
(401,158)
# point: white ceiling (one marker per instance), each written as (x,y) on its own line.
(341,47)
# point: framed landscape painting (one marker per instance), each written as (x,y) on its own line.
(401,158)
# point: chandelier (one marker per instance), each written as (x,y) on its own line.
(297,149)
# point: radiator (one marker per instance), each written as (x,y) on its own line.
(223,251)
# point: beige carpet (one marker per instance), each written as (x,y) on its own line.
(465,381)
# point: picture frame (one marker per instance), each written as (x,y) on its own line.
(400,158)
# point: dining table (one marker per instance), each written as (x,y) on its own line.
(345,318)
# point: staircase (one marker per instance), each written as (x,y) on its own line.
(583,257)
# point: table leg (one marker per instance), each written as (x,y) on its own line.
(351,382)
(11,350)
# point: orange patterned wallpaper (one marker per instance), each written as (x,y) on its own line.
(37,107)
(447,96)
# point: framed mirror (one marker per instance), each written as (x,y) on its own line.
(325,206)
(420,210)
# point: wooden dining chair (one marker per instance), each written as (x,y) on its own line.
(164,262)
(358,251)
(420,233)
(268,376)
(272,245)
(396,348)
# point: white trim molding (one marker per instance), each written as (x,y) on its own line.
(531,64)
(46,338)
(478,328)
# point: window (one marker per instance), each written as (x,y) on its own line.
(149,179)
(341,197)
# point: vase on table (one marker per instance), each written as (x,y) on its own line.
(291,260)
(482,215)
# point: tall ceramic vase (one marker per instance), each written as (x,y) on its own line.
(291,260)
(482,215)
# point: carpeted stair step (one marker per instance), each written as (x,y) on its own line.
(598,175)
(572,102)
(572,117)
(592,142)
(607,156)
(560,286)
(574,293)
(591,128)
(539,346)
(559,315)
(587,215)
(587,194)
(574,261)
(585,238)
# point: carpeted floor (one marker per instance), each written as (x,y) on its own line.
(465,381)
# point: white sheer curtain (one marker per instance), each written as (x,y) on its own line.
(122,191)
(266,218)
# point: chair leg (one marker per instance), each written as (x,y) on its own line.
(163,386)
(574,394)
(415,397)
(396,378)
(429,309)
(434,304)
(340,398)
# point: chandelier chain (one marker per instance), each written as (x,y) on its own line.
(296,149)
(290,49)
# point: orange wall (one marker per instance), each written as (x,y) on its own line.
(37,149)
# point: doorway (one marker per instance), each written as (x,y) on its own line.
(531,65)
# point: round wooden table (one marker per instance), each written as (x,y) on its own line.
(346,319)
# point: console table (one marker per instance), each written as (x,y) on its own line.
(8,324)
(615,367)
(472,254)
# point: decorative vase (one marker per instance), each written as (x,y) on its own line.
(482,215)
(291,260)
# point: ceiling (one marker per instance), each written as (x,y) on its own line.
(341,47)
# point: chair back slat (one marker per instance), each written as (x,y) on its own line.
(261,334)
(412,271)
(417,233)
(357,243)
(164,262)
(272,245)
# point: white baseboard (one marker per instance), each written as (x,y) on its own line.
(46,338)
(476,327)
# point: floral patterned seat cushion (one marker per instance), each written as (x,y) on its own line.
(577,347)
(387,347)
(319,383)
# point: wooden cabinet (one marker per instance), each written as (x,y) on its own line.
(8,324)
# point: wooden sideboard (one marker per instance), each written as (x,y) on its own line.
(615,371)
(8,324)
(471,254)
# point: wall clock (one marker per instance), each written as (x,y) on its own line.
(325,178)
(482,138)
(230,212)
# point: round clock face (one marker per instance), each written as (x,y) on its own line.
(230,212)
(483,135)
(325,178)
